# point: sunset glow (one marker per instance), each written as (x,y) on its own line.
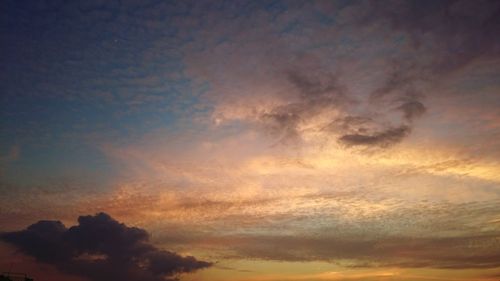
(250,140)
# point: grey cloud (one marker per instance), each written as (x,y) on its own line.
(315,95)
(382,139)
(312,89)
(100,248)
(462,30)
(398,82)
(283,122)
(365,131)
(350,123)
(475,251)
(446,36)
(314,64)
(398,88)
(412,109)
(437,235)
(319,93)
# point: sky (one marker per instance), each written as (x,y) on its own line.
(250,140)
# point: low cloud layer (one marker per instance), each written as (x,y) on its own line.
(475,251)
(100,248)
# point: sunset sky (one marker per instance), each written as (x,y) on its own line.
(250,140)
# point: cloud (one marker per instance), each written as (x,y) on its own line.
(387,58)
(457,31)
(474,251)
(382,139)
(100,248)
(297,91)
(316,96)
(351,232)
(320,100)
(412,109)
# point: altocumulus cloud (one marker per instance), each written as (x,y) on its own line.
(101,248)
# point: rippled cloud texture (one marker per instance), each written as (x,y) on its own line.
(271,140)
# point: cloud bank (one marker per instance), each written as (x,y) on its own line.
(479,251)
(100,248)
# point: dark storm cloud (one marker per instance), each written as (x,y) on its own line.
(382,139)
(100,248)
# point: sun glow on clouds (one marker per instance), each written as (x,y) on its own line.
(258,187)
(311,189)
(243,160)
(316,140)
